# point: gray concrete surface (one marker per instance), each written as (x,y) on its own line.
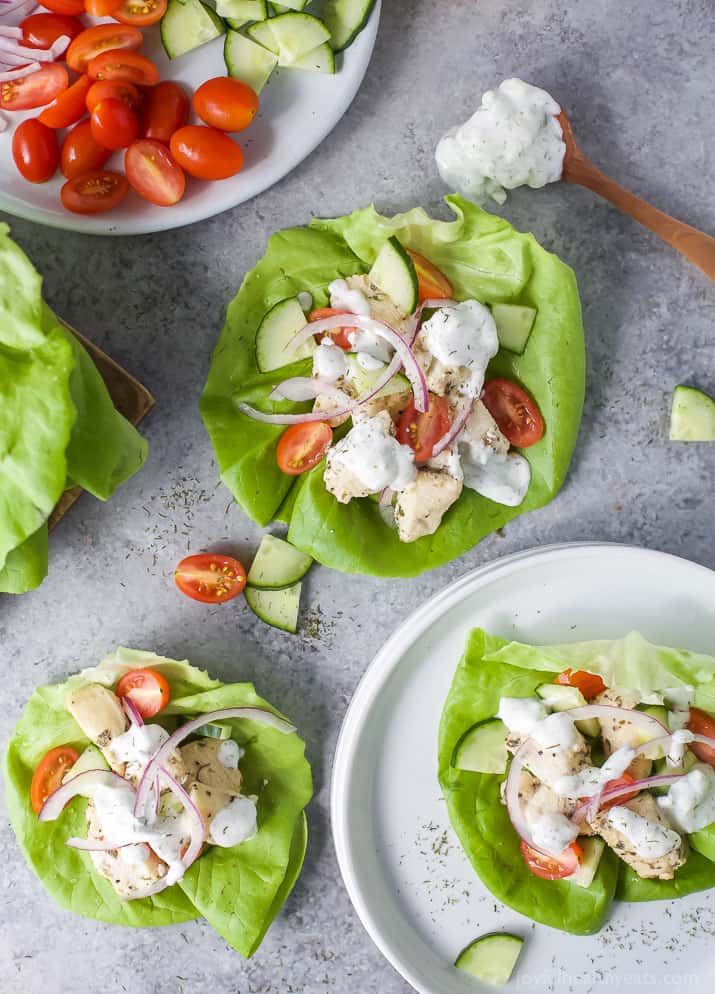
(636,77)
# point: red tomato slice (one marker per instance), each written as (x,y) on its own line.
(94,192)
(225,103)
(621,781)
(421,431)
(71,7)
(340,335)
(101,39)
(42,30)
(80,152)
(205,152)
(210,578)
(303,446)
(124,67)
(141,13)
(514,411)
(118,91)
(146,689)
(49,772)
(114,124)
(590,684)
(35,151)
(431,282)
(552,867)
(165,111)
(69,106)
(35,90)
(153,173)
(702,724)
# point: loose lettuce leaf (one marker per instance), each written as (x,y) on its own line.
(240,890)
(26,566)
(20,297)
(485,258)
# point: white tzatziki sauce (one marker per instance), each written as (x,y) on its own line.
(374,457)
(591,779)
(521,714)
(690,801)
(649,839)
(235,823)
(137,745)
(503,478)
(228,754)
(463,336)
(553,832)
(557,731)
(342,298)
(329,362)
(678,700)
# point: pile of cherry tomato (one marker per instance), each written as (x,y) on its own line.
(117,102)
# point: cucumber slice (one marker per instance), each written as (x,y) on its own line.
(261,33)
(692,417)
(491,958)
(248,61)
(186,25)
(561,697)
(277,564)
(394,272)
(283,8)
(214,730)
(296,34)
(91,759)
(514,323)
(242,11)
(278,608)
(364,379)
(277,328)
(592,850)
(321,59)
(345,19)
(481,749)
(657,711)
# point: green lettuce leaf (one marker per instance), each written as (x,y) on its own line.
(26,566)
(485,258)
(239,890)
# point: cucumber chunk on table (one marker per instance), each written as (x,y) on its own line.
(482,748)
(277,564)
(321,59)
(186,25)
(692,418)
(278,327)
(514,323)
(296,34)
(278,608)
(364,379)
(393,271)
(91,758)
(491,958)
(261,33)
(345,19)
(239,12)
(248,61)
(561,697)
(592,850)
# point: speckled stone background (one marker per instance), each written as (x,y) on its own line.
(636,76)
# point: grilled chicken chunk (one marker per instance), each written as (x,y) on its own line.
(209,801)
(548,765)
(132,870)
(616,732)
(419,508)
(99,714)
(660,867)
(202,763)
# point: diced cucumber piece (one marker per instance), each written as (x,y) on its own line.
(248,61)
(364,379)
(277,329)
(186,25)
(296,34)
(277,564)
(657,711)
(261,33)
(662,766)
(278,608)
(592,850)
(491,958)
(345,19)
(393,271)
(321,59)
(692,417)
(514,323)
(561,697)
(242,11)
(214,730)
(481,749)
(283,8)
(92,758)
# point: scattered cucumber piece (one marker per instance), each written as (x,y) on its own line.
(345,19)
(261,33)
(91,759)
(592,849)
(278,608)
(561,697)
(491,958)
(514,323)
(659,712)
(277,328)
(296,34)
(214,730)
(364,379)
(481,749)
(248,61)
(321,59)
(277,564)
(393,271)
(661,766)
(692,417)
(186,25)
(242,11)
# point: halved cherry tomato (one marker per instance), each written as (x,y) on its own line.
(210,578)
(552,867)
(124,67)
(80,152)
(101,8)
(421,431)
(70,7)
(68,107)
(621,781)
(35,90)
(49,773)
(431,282)
(35,151)
(151,170)
(303,446)
(101,39)
(146,689)
(166,109)
(118,91)
(42,30)
(226,103)
(205,152)
(702,724)
(114,125)
(340,335)
(514,411)
(140,12)
(590,684)
(94,192)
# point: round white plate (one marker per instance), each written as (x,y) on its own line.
(402,864)
(298,109)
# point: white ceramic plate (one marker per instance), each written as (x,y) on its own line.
(298,110)
(404,869)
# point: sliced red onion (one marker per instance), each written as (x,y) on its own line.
(3,121)
(11,48)
(18,8)
(301,388)
(585,812)
(96,845)
(82,785)
(6,76)
(415,321)
(132,712)
(384,506)
(7,32)
(456,429)
(197,828)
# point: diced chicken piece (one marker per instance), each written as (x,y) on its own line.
(661,867)
(420,506)
(447,462)
(548,765)
(132,870)
(442,380)
(209,801)
(343,484)
(201,759)
(382,306)
(481,427)
(393,404)
(538,799)
(98,712)
(617,732)
(324,403)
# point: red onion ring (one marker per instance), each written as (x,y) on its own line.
(456,429)
(96,845)
(584,813)
(10,74)
(82,785)
(132,712)
(198,827)
(302,388)
(10,48)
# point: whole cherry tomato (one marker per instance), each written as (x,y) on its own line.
(166,109)
(205,152)
(34,149)
(114,125)
(225,103)
(81,153)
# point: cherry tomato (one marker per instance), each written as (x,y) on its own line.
(702,724)
(210,578)
(431,283)
(148,691)
(70,7)
(43,30)
(94,192)
(552,867)
(206,153)
(124,67)
(621,781)
(68,107)
(225,103)
(153,173)
(303,446)
(119,91)
(590,684)
(34,149)
(165,111)
(101,39)
(35,90)
(340,335)
(102,8)
(114,125)
(514,411)
(140,12)
(421,431)
(49,773)
(80,152)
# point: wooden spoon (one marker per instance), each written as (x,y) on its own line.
(695,245)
